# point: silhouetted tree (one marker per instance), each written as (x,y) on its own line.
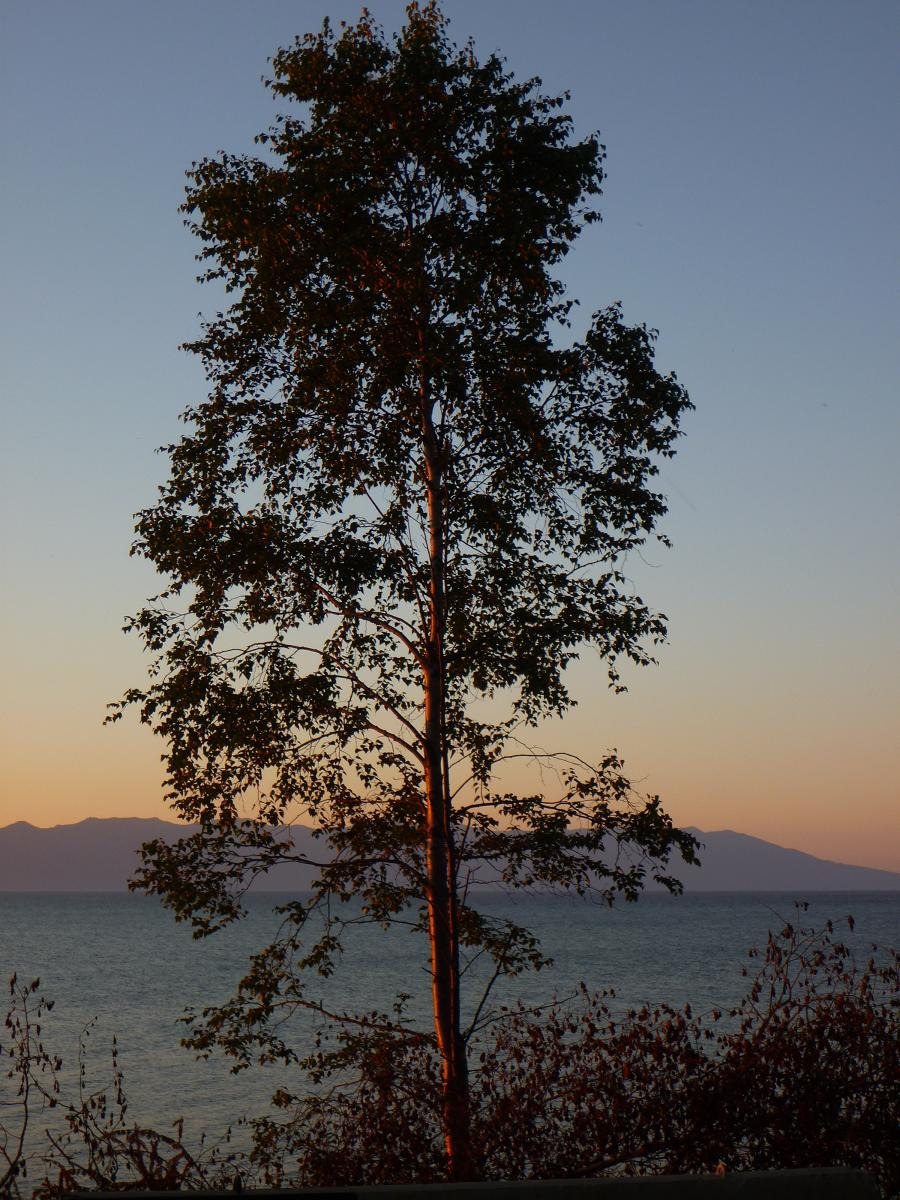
(408,491)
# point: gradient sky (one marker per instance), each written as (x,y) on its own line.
(750,214)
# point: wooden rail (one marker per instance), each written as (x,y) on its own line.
(812,1183)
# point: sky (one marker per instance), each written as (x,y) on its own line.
(750,215)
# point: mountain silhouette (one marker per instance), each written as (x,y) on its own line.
(100,855)
(737,862)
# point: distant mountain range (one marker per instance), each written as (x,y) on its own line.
(101,855)
(736,862)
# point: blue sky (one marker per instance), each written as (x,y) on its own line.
(750,214)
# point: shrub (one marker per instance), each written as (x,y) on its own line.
(801,1073)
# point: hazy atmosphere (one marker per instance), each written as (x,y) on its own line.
(749,214)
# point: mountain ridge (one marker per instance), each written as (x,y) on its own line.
(100,854)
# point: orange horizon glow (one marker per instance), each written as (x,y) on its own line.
(116,772)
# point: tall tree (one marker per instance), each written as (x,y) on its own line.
(409,491)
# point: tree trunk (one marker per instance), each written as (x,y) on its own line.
(444,946)
(440,851)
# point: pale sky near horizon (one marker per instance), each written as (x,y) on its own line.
(750,214)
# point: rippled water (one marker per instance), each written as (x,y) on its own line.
(121,961)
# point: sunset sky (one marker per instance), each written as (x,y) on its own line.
(750,214)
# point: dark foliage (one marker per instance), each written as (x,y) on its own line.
(52,1144)
(29,1075)
(802,1073)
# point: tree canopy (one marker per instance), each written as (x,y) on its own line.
(399,515)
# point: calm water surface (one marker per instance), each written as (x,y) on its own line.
(123,963)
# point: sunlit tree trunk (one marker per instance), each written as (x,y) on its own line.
(440,857)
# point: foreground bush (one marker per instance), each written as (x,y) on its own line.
(802,1073)
(51,1145)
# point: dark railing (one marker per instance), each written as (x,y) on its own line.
(812,1183)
